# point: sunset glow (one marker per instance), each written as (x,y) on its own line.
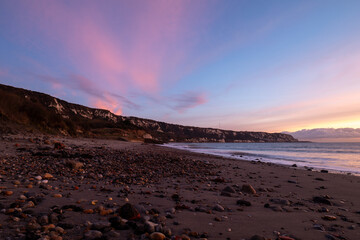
(239,65)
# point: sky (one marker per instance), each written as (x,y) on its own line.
(239,65)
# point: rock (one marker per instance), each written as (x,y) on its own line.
(88,211)
(48,176)
(257,237)
(100,225)
(93,235)
(226,194)
(157,236)
(167,231)
(59,230)
(329,218)
(112,235)
(185,237)
(243,203)
(280,201)
(321,200)
(150,226)
(247,188)
(118,223)
(57,195)
(319,227)
(46,228)
(229,189)
(16,182)
(43,220)
(38,178)
(53,218)
(285,238)
(219,208)
(29,204)
(8,193)
(129,212)
(75,165)
(324,171)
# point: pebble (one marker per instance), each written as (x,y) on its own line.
(39,178)
(128,211)
(329,218)
(92,235)
(57,195)
(229,189)
(48,176)
(157,236)
(243,203)
(219,208)
(257,237)
(321,200)
(285,238)
(8,193)
(29,204)
(247,188)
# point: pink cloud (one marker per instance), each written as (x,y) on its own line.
(98,48)
(108,103)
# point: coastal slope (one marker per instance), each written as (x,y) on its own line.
(22,109)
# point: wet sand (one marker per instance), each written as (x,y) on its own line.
(64,188)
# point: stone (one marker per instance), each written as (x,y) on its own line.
(157,236)
(59,230)
(100,225)
(118,223)
(285,238)
(93,235)
(219,208)
(29,204)
(257,237)
(48,176)
(128,211)
(280,201)
(88,211)
(242,202)
(38,178)
(75,165)
(229,189)
(57,195)
(247,188)
(150,226)
(329,218)
(8,193)
(322,200)
(167,231)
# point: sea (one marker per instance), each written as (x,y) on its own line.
(342,157)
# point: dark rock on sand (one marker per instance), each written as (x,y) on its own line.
(280,201)
(242,202)
(93,235)
(257,237)
(128,211)
(228,189)
(321,200)
(247,188)
(118,223)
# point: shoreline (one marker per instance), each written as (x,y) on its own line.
(193,194)
(241,156)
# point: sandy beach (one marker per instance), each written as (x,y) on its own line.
(65,188)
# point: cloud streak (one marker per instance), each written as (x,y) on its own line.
(326,133)
(187,101)
(99,98)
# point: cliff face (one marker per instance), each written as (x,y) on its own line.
(44,113)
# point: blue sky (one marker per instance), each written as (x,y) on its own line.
(241,65)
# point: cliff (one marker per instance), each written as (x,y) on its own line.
(24,110)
